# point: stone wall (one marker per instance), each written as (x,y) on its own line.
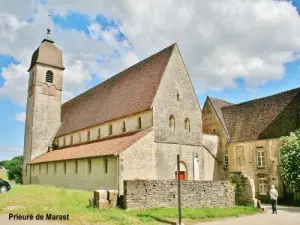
(141,194)
(244,189)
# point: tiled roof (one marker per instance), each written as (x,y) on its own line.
(126,93)
(270,117)
(47,53)
(111,146)
(218,104)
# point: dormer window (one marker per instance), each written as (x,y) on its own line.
(49,76)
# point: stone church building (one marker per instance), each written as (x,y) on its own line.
(249,136)
(131,126)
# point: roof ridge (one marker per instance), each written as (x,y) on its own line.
(221,100)
(120,73)
(265,97)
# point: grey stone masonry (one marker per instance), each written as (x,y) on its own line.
(142,194)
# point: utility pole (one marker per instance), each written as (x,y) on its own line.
(179,193)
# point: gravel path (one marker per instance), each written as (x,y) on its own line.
(285,216)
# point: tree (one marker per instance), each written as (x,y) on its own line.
(2,163)
(14,168)
(290,160)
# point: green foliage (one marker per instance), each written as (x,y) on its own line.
(290,160)
(14,169)
(2,163)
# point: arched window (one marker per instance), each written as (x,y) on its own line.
(49,76)
(88,135)
(187,125)
(172,122)
(139,122)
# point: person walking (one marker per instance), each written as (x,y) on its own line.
(274,196)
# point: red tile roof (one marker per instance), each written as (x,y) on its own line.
(111,146)
(126,93)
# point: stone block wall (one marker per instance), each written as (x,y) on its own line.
(142,194)
(244,189)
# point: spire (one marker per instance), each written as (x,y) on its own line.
(48,37)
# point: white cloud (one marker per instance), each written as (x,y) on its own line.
(20,117)
(220,40)
(7,153)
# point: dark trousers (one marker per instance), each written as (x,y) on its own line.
(274,203)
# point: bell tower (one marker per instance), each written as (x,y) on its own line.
(43,112)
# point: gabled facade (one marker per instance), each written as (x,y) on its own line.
(251,134)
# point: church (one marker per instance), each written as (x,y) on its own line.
(131,126)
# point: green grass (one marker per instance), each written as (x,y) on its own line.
(38,199)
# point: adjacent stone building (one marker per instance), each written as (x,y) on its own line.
(129,127)
(249,135)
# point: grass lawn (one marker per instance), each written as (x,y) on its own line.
(38,199)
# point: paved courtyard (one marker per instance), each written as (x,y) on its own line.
(285,216)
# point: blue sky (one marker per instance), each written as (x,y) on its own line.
(126,46)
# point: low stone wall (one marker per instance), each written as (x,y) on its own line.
(141,194)
(244,189)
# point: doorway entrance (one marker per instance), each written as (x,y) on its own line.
(182,173)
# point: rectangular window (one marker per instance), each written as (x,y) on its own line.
(110,131)
(262,186)
(55,167)
(88,136)
(76,167)
(99,133)
(105,165)
(46,168)
(139,122)
(26,169)
(226,161)
(90,166)
(124,127)
(260,159)
(65,167)
(39,168)
(64,141)
(71,141)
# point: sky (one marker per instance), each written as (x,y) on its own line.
(236,50)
